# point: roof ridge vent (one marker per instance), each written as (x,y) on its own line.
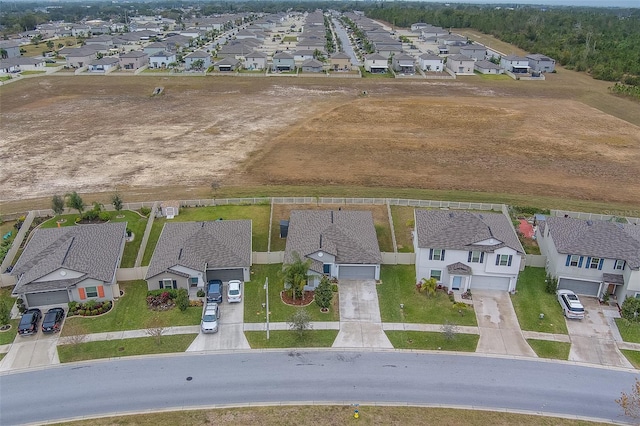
(320,240)
(331,216)
(180,254)
(451,214)
(589,222)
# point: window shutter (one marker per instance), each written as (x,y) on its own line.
(160,284)
(82,293)
(100,291)
(430,254)
(588,263)
(469,258)
(497,259)
(568,260)
(442,255)
(482,257)
(600,264)
(175,284)
(580,261)
(510,258)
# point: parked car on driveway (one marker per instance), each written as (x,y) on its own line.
(29,322)
(214,291)
(234,291)
(571,305)
(210,318)
(52,321)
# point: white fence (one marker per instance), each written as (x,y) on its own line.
(398,258)
(131,274)
(17,242)
(536,260)
(267,258)
(7,280)
(613,216)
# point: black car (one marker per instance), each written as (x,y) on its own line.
(52,320)
(29,322)
(214,291)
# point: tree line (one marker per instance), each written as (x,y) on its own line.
(602,42)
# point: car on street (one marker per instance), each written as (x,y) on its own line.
(234,291)
(214,291)
(52,322)
(210,318)
(571,306)
(29,322)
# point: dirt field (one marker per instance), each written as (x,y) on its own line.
(95,134)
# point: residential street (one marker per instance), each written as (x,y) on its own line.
(133,384)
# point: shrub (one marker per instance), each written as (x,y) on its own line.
(73,305)
(80,312)
(200,292)
(91,304)
(94,312)
(630,309)
(104,216)
(182,301)
(173,293)
(334,288)
(550,284)
(144,211)
(323,294)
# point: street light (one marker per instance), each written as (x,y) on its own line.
(266,289)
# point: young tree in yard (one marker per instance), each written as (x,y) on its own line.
(198,64)
(75,333)
(57,205)
(50,44)
(429,286)
(631,309)
(116,200)
(154,327)
(74,201)
(296,275)
(300,322)
(630,402)
(182,299)
(324,294)
(449,330)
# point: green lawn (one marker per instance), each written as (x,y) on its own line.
(632,356)
(432,341)
(131,313)
(403,225)
(125,347)
(135,223)
(259,215)
(629,331)
(254,297)
(550,349)
(492,76)
(9,335)
(531,300)
(366,74)
(290,39)
(399,286)
(289,339)
(383,232)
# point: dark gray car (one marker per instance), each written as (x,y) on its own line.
(214,291)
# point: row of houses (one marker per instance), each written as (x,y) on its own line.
(461,250)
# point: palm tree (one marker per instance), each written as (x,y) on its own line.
(296,275)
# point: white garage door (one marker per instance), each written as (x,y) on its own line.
(489,283)
(357,272)
(587,288)
(225,275)
(47,298)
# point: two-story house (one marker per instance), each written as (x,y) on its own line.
(376,64)
(467,251)
(592,257)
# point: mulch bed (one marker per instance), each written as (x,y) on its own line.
(307,298)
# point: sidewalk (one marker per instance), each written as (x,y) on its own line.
(130,334)
(317,325)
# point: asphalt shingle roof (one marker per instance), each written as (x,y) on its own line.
(93,250)
(348,235)
(461,230)
(596,238)
(218,244)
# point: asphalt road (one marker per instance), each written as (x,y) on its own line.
(152,383)
(346,44)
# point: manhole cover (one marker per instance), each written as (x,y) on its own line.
(121,348)
(189,378)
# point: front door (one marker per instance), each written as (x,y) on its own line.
(456,283)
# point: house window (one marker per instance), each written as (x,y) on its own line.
(476,257)
(437,274)
(574,260)
(91,291)
(436,254)
(326,268)
(619,264)
(168,283)
(503,259)
(193,281)
(595,261)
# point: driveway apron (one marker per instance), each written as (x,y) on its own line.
(31,351)
(498,325)
(591,338)
(360,324)
(230,333)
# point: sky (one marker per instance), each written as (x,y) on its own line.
(591,3)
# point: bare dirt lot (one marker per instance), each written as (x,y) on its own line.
(96,134)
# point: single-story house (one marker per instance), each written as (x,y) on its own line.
(103,65)
(340,244)
(340,62)
(431,62)
(227,64)
(71,263)
(312,65)
(11,47)
(283,61)
(592,257)
(133,60)
(467,251)
(376,64)
(197,56)
(80,57)
(161,59)
(460,64)
(189,254)
(404,64)
(541,63)
(515,64)
(25,63)
(256,61)
(488,67)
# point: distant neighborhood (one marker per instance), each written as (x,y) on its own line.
(320,42)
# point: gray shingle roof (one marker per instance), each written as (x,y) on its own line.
(596,238)
(219,244)
(93,250)
(461,230)
(348,235)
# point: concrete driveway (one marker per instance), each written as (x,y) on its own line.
(498,325)
(591,338)
(230,333)
(360,324)
(31,351)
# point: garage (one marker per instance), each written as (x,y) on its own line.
(357,272)
(58,297)
(489,283)
(586,288)
(225,275)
